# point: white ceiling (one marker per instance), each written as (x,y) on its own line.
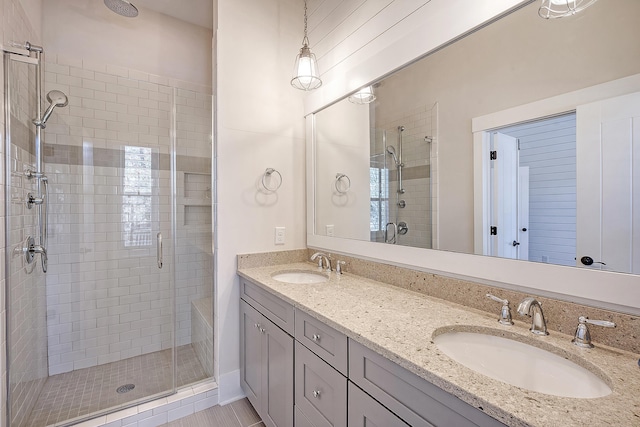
(199,12)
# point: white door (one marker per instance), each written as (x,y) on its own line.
(608,173)
(523,213)
(504,173)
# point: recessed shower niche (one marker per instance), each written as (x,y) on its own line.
(196,203)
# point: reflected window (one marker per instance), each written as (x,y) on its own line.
(136,198)
(379,196)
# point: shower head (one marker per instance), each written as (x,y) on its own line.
(122,7)
(391,150)
(57,99)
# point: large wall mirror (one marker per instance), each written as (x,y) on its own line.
(520,140)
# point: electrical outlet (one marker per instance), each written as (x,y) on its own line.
(280,236)
(329,230)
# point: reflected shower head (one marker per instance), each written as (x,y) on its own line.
(391,150)
(57,99)
(122,7)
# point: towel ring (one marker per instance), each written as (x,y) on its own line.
(339,177)
(267,173)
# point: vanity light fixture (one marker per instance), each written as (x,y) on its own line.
(551,9)
(363,96)
(305,70)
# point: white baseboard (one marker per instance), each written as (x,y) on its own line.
(229,387)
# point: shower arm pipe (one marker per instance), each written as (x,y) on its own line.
(400,165)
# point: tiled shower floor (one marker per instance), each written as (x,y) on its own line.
(89,390)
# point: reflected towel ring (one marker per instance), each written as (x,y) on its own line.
(267,173)
(339,177)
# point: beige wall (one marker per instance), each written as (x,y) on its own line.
(152,43)
(259,125)
(517,60)
(342,146)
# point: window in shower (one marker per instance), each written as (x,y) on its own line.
(379,197)
(137,196)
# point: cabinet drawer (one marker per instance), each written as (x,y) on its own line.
(301,419)
(365,411)
(324,341)
(415,400)
(272,307)
(320,390)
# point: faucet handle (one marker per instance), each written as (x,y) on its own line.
(339,267)
(505,312)
(605,323)
(582,336)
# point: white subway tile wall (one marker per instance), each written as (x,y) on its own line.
(419,141)
(107,299)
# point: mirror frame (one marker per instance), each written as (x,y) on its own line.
(608,290)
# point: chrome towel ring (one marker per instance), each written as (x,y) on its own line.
(267,174)
(340,177)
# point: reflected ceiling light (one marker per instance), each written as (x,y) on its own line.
(363,96)
(551,9)
(305,70)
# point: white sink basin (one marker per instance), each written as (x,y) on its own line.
(302,277)
(521,365)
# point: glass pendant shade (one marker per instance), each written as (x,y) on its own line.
(552,9)
(363,96)
(305,70)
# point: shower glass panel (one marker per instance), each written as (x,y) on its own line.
(194,236)
(124,314)
(110,304)
(25,296)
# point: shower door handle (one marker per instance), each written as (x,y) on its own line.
(159,237)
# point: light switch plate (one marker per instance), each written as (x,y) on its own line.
(329,230)
(280,236)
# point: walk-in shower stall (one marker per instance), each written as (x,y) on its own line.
(108,216)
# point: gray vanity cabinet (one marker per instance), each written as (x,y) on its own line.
(330,371)
(365,411)
(418,402)
(266,367)
(320,391)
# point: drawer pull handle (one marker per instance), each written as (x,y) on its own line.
(316,394)
(316,338)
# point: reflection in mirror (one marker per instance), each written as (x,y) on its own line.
(547,197)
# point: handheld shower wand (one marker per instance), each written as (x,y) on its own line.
(56,99)
(391,150)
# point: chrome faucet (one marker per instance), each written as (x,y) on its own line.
(582,336)
(531,307)
(505,312)
(322,257)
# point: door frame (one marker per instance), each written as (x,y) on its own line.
(482,126)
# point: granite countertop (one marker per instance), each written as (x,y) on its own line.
(400,324)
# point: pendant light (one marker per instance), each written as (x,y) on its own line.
(552,9)
(363,96)
(305,70)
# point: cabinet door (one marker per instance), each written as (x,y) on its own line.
(364,411)
(277,384)
(251,353)
(321,391)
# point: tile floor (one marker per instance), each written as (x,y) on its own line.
(237,414)
(82,392)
